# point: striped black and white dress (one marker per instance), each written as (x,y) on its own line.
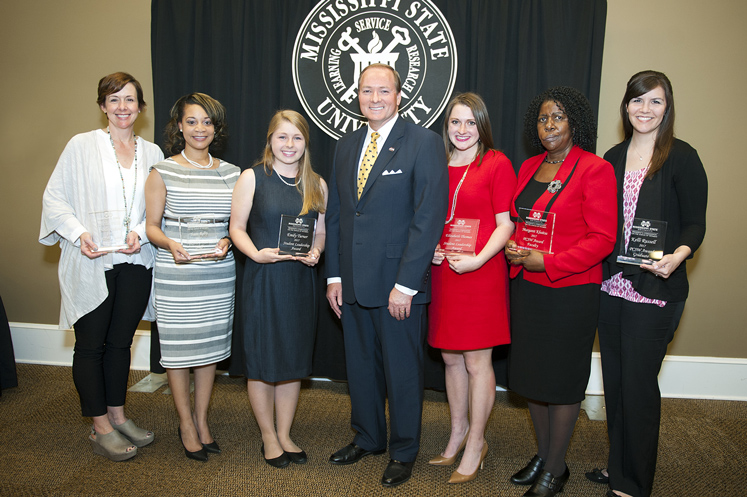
(195,300)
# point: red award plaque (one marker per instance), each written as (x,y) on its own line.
(461,237)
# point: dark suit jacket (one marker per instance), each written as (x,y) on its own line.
(677,194)
(389,235)
(585,221)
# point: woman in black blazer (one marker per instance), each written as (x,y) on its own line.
(661,179)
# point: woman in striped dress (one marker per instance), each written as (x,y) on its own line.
(188,203)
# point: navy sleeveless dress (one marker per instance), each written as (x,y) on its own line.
(278,301)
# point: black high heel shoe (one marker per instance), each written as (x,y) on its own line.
(280,461)
(212,447)
(199,455)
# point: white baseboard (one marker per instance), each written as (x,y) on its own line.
(681,376)
(47,344)
(690,377)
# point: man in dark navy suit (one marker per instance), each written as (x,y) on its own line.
(387,206)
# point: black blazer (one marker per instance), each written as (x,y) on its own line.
(389,235)
(677,194)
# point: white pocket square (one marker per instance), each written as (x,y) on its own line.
(387,173)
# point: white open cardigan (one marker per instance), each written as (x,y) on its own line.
(74,191)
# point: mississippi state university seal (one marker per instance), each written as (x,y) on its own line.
(339,38)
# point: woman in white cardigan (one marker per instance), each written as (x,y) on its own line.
(94,206)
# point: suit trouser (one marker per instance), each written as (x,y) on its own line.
(384,357)
(633,340)
(103,337)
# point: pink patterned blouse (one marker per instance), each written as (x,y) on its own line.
(617,286)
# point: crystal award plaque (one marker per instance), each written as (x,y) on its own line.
(199,234)
(296,235)
(646,243)
(534,230)
(110,234)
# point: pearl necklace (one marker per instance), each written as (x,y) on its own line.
(128,212)
(289,184)
(197,164)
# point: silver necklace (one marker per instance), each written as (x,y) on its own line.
(640,157)
(554,161)
(128,212)
(289,184)
(197,164)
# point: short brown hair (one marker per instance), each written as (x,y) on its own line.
(113,83)
(378,65)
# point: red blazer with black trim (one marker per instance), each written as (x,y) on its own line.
(585,221)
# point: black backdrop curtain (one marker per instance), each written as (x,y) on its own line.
(240,52)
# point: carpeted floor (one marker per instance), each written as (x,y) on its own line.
(44,451)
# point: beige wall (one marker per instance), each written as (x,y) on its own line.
(56,52)
(700,46)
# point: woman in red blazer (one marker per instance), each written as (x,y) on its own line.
(566,217)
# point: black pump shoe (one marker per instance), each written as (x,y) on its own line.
(280,461)
(298,457)
(212,447)
(199,455)
(529,473)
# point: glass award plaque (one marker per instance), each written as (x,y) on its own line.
(534,230)
(460,237)
(198,234)
(296,235)
(110,235)
(646,243)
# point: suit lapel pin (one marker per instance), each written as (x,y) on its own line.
(391,149)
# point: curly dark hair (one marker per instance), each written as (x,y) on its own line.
(578,109)
(174,141)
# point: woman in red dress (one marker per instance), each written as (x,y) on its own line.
(468,314)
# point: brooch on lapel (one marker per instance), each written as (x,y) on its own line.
(554,186)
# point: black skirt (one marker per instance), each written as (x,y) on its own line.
(552,335)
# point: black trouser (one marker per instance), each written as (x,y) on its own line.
(633,340)
(101,362)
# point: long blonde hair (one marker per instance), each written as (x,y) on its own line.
(309,182)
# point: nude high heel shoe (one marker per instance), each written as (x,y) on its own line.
(440,460)
(457,477)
